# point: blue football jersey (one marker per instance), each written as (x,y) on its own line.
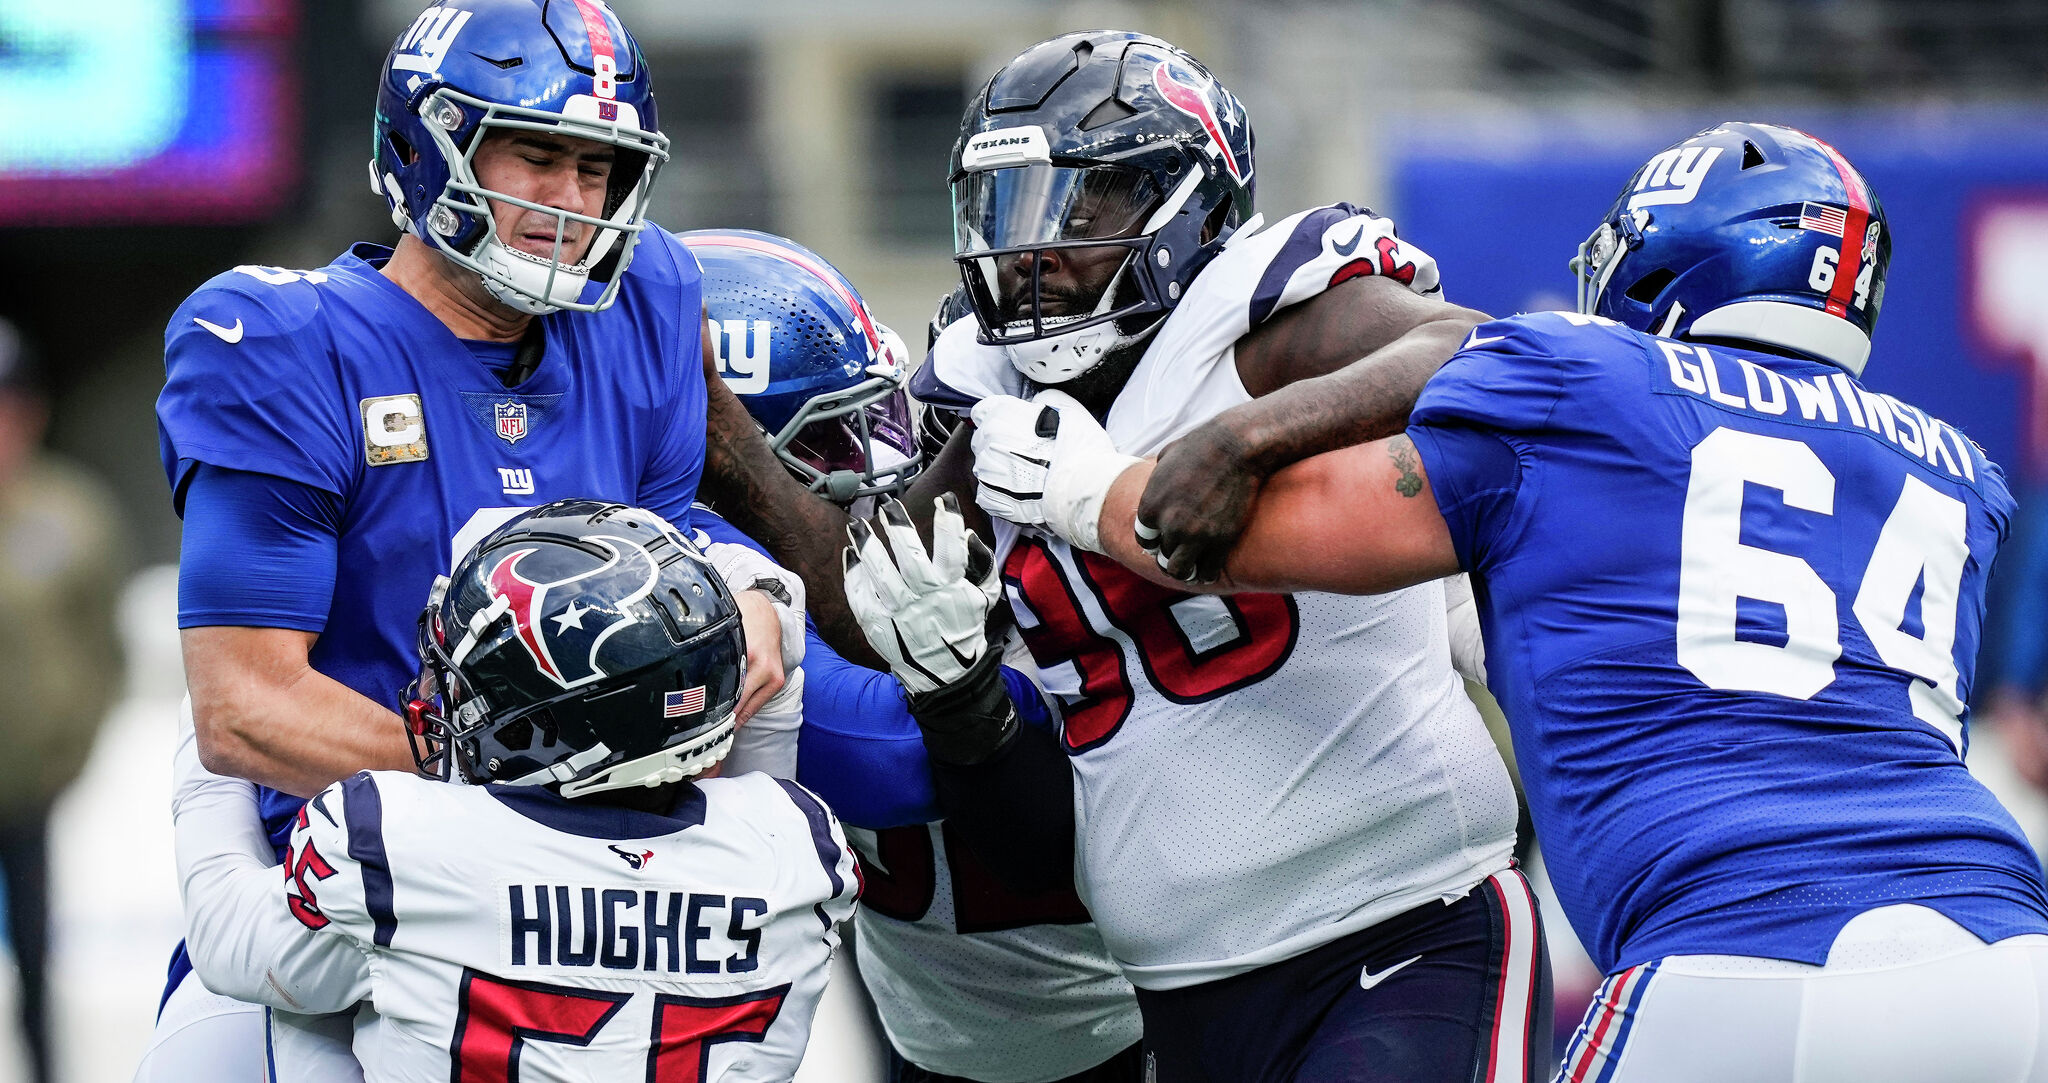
(1732,603)
(340,380)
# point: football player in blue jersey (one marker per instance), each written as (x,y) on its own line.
(1733,601)
(334,437)
(972,981)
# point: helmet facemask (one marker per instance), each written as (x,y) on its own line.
(460,124)
(1050,255)
(854,443)
(1600,255)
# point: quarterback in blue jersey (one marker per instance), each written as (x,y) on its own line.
(972,980)
(333,438)
(1732,601)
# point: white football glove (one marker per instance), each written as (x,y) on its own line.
(925,613)
(1046,462)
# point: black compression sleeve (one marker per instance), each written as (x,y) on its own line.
(1012,800)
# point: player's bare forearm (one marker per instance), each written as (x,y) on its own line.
(1366,400)
(1360,520)
(1206,481)
(263,713)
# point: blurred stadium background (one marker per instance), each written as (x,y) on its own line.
(148,144)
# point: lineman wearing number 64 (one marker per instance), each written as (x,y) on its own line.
(1732,601)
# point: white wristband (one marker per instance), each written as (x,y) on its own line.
(1073,505)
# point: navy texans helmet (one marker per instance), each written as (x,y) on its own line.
(1752,233)
(466,70)
(1095,175)
(798,346)
(585,646)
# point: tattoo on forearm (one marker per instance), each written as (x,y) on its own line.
(1403,451)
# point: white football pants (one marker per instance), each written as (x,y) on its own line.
(1907,996)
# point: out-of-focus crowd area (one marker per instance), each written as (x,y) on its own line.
(146,145)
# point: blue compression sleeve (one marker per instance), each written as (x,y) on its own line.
(291,529)
(860,749)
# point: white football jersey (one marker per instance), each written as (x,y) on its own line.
(972,979)
(1259,774)
(522,936)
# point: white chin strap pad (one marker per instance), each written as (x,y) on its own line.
(659,768)
(522,281)
(1810,331)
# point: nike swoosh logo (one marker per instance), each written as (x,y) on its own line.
(1476,340)
(1367,979)
(1345,248)
(229,335)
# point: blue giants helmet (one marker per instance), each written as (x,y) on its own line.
(1111,160)
(583,645)
(797,344)
(1748,232)
(467,69)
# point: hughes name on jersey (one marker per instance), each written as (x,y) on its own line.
(339,380)
(1259,774)
(1744,596)
(517,934)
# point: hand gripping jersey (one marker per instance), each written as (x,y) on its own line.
(522,936)
(969,978)
(339,379)
(1261,774)
(1734,602)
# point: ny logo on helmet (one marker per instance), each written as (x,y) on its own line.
(426,43)
(744,358)
(1673,177)
(564,643)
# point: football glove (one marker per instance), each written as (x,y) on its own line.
(925,612)
(1047,463)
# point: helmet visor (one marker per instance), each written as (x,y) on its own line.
(1022,237)
(1027,206)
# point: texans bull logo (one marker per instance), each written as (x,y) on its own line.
(1192,94)
(564,644)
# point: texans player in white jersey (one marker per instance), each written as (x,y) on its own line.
(593,902)
(1259,814)
(334,437)
(1734,599)
(973,982)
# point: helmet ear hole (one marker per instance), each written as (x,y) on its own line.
(1646,288)
(1109,112)
(1219,219)
(404,149)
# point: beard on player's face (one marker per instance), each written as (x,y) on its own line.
(1070,281)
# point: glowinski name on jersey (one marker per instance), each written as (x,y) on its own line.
(1827,399)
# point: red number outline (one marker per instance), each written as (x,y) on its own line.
(298,895)
(745,1017)
(496,1017)
(1269,625)
(1063,633)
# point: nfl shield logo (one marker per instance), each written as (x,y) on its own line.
(511,421)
